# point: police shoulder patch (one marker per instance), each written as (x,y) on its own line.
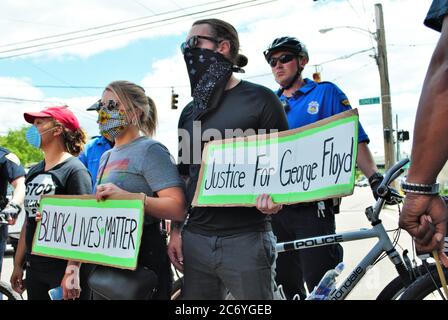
(313,107)
(13,158)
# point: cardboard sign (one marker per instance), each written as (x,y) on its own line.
(311,163)
(80,228)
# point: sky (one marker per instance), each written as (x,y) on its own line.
(55,52)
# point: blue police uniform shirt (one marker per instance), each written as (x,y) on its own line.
(316,101)
(91,155)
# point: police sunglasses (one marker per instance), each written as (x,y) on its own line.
(110,105)
(194,41)
(284,58)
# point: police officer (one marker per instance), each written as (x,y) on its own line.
(10,172)
(94,149)
(306,102)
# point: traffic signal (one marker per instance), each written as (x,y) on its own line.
(174,100)
(316,76)
(403,135)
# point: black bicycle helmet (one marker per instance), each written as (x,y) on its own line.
(290,44)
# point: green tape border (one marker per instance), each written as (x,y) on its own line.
(304,196)
(126,263)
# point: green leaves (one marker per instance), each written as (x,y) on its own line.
(15,142)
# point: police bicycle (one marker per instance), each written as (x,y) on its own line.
(407,271)
(5,289)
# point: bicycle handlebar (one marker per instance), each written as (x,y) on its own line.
(391,175)
(385,192)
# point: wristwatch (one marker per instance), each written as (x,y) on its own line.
(420,188)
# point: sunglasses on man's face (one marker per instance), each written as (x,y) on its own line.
(194,41)
(284,58)
(110,105)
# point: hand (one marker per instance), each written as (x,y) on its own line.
(38,216)
(175,249)
(374,186)
(70,283)
(392,196)
(11,212)
(266,205)
(16,280)
(424,217)
(103,191)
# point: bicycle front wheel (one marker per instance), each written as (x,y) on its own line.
(427,287)
(7,292)
(396,287)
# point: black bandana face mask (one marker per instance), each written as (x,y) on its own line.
(209,74)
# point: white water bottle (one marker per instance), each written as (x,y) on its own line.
(326,284)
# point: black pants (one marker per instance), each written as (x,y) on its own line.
(153,254)
(294,268)
(41,278)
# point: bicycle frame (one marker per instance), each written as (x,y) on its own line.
(384,243)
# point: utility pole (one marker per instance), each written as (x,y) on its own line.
(381,60)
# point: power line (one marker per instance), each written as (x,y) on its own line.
(14,100)
(145,28)
(351,72)
(142,5)
(318,64)
(102,26)
(33,22)
(410,45)
(86,114)
(51,75)
(362,19)
(185,86)
(50,86)
(178,6)
(123,28)
(354,10)
(21,100)
(345,56)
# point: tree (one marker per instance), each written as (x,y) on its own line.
(15,142)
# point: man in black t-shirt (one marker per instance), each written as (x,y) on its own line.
(223,248)
(424,212)
(10,172)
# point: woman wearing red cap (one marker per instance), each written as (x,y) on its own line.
(139,164)
(57,133)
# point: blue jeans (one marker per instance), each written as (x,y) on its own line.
(244,264)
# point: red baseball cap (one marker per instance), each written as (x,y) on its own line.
(61,114)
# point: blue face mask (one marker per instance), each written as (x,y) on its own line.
(33,137)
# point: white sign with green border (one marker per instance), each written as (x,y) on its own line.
(314,162)
(83,229)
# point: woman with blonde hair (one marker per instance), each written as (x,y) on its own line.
(139,164)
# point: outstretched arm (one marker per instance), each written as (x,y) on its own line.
(425,216)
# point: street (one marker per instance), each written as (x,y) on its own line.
(351,218)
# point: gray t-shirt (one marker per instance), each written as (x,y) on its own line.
(144,165)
